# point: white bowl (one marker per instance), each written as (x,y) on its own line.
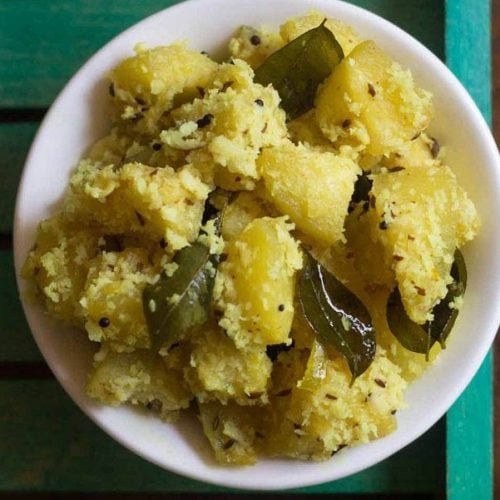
(77,118)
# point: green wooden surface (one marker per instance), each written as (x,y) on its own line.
(470,420)
(17,342)
(70,453)
(44,43)
(51,445)
(15,139)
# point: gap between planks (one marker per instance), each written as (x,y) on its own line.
(211,496)
(24,370)
(15,115)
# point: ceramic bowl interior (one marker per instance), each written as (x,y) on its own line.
(77,118)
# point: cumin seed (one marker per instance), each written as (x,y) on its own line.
(346,123)
(174,346)
(140,218)
(255,395)
(435,147)
(395,169)
(215,423)
(228,444)
(284,392)
(154,405)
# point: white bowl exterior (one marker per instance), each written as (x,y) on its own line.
(76,119)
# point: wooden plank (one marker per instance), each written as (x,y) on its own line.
(69,453)
(394,474)
(17,342)
(58,449)
(468,48)
(15,140)
(22,24)
(42,44)
(470,439)
(470,420)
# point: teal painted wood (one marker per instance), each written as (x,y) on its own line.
(44,43)
(15,140)
(470,420)
(29,83)
(470,439)
(54,447)
(17,341)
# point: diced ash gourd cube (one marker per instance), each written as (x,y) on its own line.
(157,203)
(245,117)
(58,265)
(324,409)
(421,216)
(112,299)
(232,431)
(376,97)
(245,208)
(219,369)
(140,377)
(255,285)
(146,85)
(253,46)
(312,188)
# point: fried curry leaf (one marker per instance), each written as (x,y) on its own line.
(444,316)
(421,338)
(177,303)
(337,316)
(183,300)
(297,69)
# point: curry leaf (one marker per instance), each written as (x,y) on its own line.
(421,338)
(177,303)
(337,316)
(297,69)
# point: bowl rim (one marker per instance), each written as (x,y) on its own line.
(323,475)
